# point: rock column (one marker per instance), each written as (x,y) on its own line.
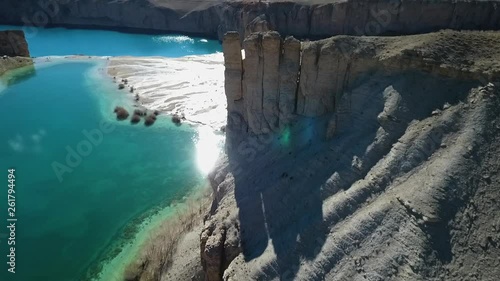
(289,74)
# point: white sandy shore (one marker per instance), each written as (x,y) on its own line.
(191,85)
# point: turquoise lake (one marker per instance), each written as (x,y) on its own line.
(83,179)
(62,41)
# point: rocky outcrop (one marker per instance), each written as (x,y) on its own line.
(310,19)
(14,51)
(121,113)
(274,98)
(13,44)
(415,124)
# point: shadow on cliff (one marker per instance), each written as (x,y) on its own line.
(281,181)
(280,189)
(277,201)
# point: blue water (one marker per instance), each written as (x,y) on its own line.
(62,41)
(84,179)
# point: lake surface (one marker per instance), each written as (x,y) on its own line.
(85,181)
(62,41)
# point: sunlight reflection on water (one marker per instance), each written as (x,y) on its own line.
(174,39)
(208,148)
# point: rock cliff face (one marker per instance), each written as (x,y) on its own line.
(287,80)
(14,51)
(311,19)
(13,44)
(402,189)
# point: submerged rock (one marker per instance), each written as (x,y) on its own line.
(135,119)
(13,44)
(121,86)
(121,113)
(150,120)
(176,119)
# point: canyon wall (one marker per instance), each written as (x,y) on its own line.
(313,19)
(14,51)
(389,197)
(13,44)
(280,81)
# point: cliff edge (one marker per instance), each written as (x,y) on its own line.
(281,81)
(384,167)
(14,51)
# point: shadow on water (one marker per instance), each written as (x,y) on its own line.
(282,181)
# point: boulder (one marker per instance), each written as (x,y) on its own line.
(13,44)
(121,113)
(289,72)
(150,120)
(135,119)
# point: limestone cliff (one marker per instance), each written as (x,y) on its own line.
(14,51)
(13,44)
(286,80)
(405,188)
(303,19)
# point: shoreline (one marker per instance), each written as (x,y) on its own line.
(117,257)
(125,248)
(189,86)
(127,245)
(200,99)
(131,249)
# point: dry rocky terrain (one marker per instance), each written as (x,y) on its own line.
(348,158)
(390,174)
(14,51)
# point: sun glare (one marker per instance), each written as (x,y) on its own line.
(208,148)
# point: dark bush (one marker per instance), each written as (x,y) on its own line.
(140,112)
